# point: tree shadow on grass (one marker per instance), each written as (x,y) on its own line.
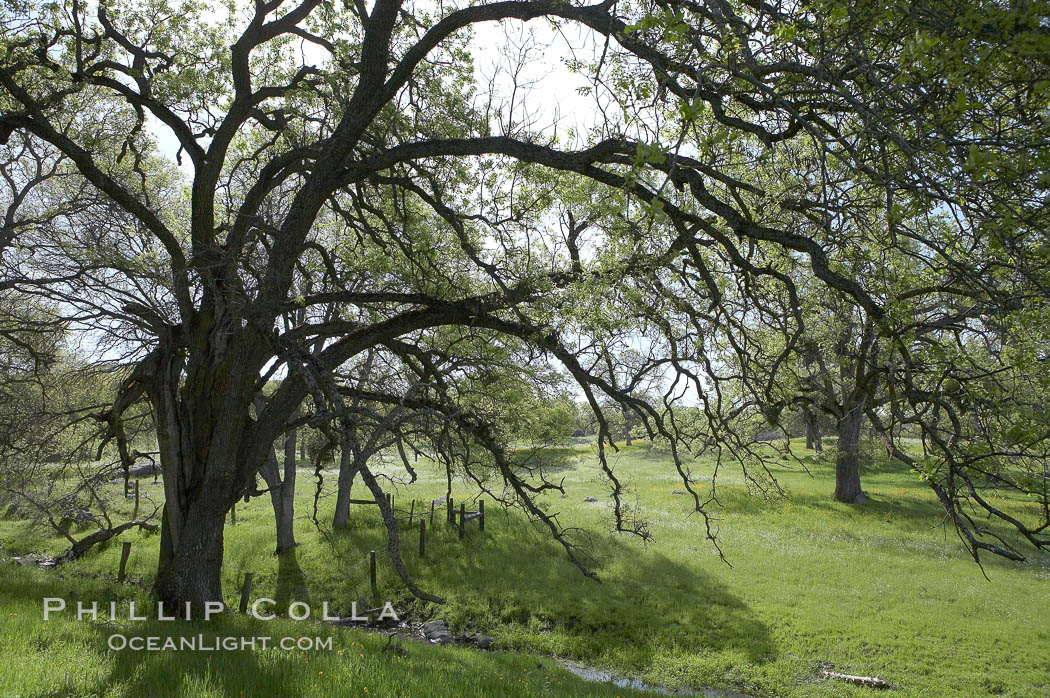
(893,517)
(64,641)
(232,672)
(291,582)
(512,582)
(516,583)
(277,577)
(548,459)
(907,510)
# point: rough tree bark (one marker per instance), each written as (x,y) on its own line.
(847,457)
(190,567)
(209,454)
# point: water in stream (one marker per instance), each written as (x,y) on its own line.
(601,676)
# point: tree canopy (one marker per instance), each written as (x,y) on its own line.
(345,184)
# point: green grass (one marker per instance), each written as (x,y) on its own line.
(879,589)
(64,657)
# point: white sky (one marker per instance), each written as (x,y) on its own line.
(550,98)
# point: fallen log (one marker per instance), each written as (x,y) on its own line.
(81,546)
(140,470)
(869,681)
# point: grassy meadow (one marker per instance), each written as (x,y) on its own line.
(881,589)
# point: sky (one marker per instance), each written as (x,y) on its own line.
(551,95)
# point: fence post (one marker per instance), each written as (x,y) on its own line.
(136,514)
(431,512)
(125,551)
(372,572)
(451,512)
(462,521)
(422,537)
(246,590)
(481,516)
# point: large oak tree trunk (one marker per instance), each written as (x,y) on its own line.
(191,571)
(847,457)
(209,457)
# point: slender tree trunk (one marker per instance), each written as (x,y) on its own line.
(286,519)
(847,458)
(347,471)
(814,441)
(282,496)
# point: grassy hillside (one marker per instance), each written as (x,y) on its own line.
(879,589)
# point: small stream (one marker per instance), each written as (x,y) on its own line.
(602,676)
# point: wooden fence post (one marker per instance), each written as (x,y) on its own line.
(372,572)
(136,514)
(451,512)
(462,520)
(422,537)
(246,590)
(432,512)
(125,551)
(481,516)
